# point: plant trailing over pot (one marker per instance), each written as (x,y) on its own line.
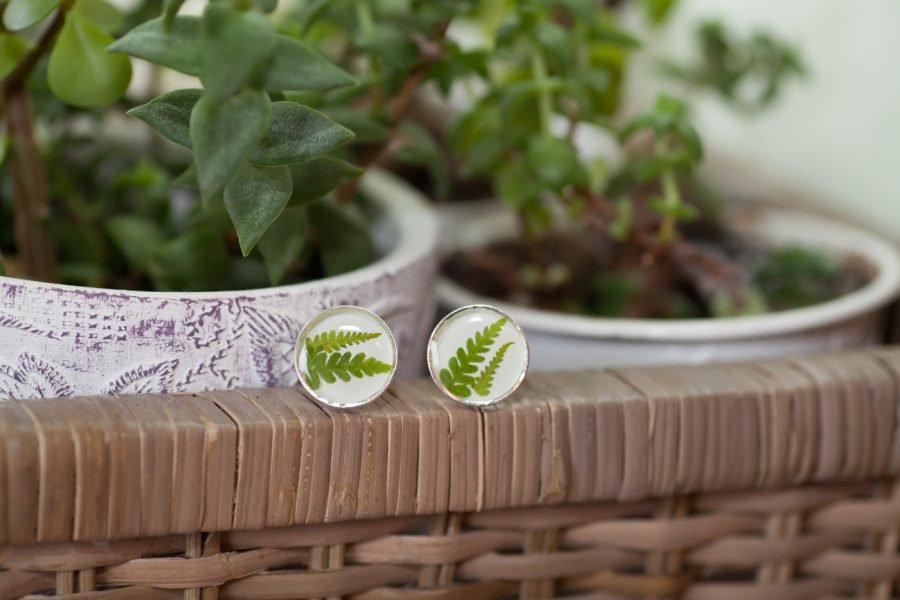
(264,165)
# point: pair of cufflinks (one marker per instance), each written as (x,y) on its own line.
(347,356)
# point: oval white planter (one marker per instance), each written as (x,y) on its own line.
(563,342)
(60,340)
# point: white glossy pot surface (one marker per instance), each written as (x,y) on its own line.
(564,342)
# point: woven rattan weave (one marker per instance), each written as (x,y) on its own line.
(756,480)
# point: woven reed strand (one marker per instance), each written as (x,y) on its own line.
(755,480)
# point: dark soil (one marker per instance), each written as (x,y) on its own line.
(709,272)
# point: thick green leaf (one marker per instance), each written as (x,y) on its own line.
(137,238)
(267,5)
(367,128)
(294,65)
(170,114)
(254,199)
(344,240)
(236,45)
(12,48)
(284,242)
(297,67)
(320,176)
(420,148)
(658,10)
(224,134)
(81,72)
(20,14)
(297,134)
(555,162)
(195,261)
(101,13)
(177,47)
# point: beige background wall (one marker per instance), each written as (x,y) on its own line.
(835,135)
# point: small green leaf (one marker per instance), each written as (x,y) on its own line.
(197,260)
(101,13)
(344,240)
(224,134)
(297,134)
(658,10)
(334,340)
(294,66)
(20,14)
(458,375)
(340,365)
(284,242)
(420,148)
(318,177)
(236,46)
(170,114)
(177,47)
(267,5)
(81,72)
(12,49)
(137,238)
(254,199)
(555,162)
(297,67)
(485,379)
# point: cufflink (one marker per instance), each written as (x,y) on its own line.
(345,357)
(478,355)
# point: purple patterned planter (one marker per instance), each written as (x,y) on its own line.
(61,340)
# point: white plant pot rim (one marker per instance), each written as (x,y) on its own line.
(416,236)
(776,225)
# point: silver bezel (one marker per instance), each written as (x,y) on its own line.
(317,319)
(434,370)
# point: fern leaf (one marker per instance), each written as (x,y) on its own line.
(344,366)
(333,340)
(485,380)
(459,377)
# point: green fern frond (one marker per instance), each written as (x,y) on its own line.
(333,340)
(325,363)
(459,375)
(485,380)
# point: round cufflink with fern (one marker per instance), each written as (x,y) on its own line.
(346,356)
(478,355)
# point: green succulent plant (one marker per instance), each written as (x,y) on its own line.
(252,179)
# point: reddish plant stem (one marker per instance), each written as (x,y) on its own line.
(399,106)
(34,242)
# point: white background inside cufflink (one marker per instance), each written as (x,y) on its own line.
(454,332)
(341,393)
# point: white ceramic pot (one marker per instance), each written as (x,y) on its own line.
(563,342)
(58,340)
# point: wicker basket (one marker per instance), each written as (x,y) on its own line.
(771,480)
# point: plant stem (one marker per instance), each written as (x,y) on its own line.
(545,105)
(671,200)
(34,243)
(366,23)
(398,109)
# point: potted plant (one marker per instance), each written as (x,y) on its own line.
(629,256)
(111,282)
